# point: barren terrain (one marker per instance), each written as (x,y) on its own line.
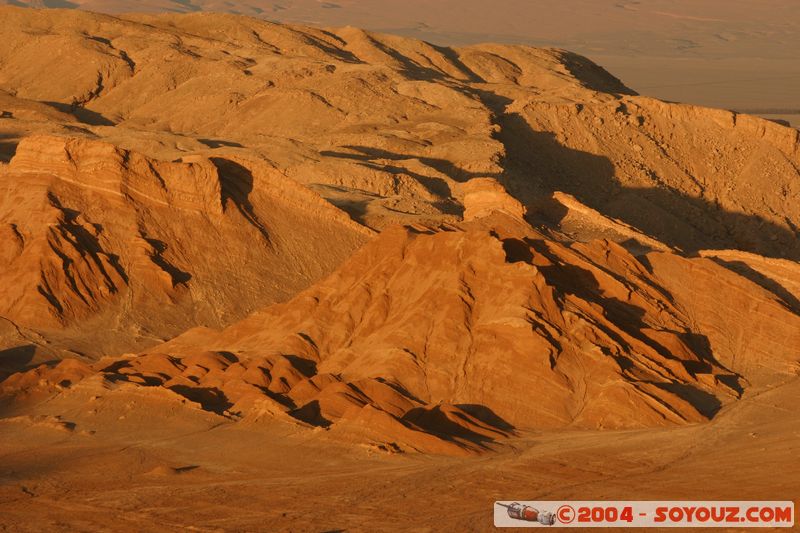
(261,276)
(734,54)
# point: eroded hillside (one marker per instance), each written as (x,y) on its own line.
(420,247)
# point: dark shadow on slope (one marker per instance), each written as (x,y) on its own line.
(357,209)
(409,67)
(339,53)
(434,185)
(306,367)
(486,415)
(60,4)
(8,147)
(593,76)
(137,378)
(15,359)
(81,114)
(179,277)
(229,357)
(700,345)
(536,165)
(210,399)
(573,280)
(549,211)
(370,155)
(84,241)
(570,279)
(452,56)
(216,143)
(743,269)
(117,366)
(706,404)
(113,373)
(311,413)
(122,53)
(399,388)
(236,182)
(434,421)
(517,251)
(184,469)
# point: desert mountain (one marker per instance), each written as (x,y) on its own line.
(98,241)
(266,277)
(388,128)
(719,53)
(421,247)
(445,339)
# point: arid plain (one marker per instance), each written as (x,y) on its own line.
(271,277)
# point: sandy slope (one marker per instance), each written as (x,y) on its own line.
(223,478)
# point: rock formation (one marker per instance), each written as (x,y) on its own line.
(425,248)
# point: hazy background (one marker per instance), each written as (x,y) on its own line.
(737,54)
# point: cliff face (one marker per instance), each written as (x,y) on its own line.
(100,234)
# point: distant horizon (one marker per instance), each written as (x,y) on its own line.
(729,54)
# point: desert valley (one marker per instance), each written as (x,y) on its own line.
(260,276)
